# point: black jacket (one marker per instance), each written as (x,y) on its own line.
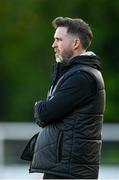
(71,118)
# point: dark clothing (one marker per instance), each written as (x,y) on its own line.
(52,176)
(71,118)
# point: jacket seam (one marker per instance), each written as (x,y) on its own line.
(71,146)
(44,147)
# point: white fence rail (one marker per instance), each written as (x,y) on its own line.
(17,131)
(24,131)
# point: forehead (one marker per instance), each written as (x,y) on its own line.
(60,32)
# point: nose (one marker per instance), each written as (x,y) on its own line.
(54,44)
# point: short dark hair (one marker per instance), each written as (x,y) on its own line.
(77,27)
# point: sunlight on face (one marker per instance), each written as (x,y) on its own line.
(62,44)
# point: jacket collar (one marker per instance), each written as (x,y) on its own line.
(88,58)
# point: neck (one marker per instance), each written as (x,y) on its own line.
(75,53)
(78,53)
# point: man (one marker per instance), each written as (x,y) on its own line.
(69,144)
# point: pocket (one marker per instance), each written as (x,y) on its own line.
(59,147)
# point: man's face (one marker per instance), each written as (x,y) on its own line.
(62,44)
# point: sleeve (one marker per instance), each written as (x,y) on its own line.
(73,91)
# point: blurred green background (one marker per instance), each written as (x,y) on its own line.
(26,55)
(26,58)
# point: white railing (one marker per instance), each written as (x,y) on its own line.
(110,132)
(15,131)
(24,131)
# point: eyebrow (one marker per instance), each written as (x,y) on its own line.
(57,38)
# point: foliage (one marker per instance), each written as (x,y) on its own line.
(26,55)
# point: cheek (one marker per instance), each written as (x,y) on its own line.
(69,47)
(64,47)
(61,47)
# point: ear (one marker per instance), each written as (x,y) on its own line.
(76,43)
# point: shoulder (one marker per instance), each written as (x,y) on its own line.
(80,80)
(78,76)
(83,79)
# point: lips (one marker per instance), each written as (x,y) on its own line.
(56,51)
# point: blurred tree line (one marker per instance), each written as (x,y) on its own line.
(26,56)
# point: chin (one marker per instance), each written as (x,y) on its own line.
(59,58)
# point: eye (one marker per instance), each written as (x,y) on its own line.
(58,39)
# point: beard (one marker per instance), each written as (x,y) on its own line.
(59,58)
(64,57)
